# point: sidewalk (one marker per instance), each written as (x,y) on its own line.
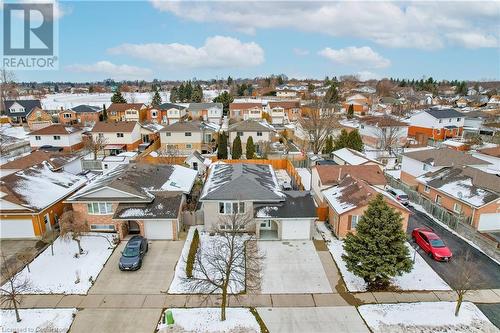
(257,300)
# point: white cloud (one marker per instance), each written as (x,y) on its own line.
(217,52)
(422,25)
(360,57)
(473,40)
(367,75)
(108,69)
(300,52)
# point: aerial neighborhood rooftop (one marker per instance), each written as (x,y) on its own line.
(171,182)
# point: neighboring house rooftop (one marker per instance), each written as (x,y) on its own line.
(353,157)
(120,107)
(27,104)
(333,174)
(57,129)
(112,127)
(38,187)
(242,181)
(382,121)
(86,109)
(55,160)
(153,127)
(141,180)
(190,126)
(250,125)
(493,151)
(166,106)
(466,184)
(285,104)
(444,113)
(204,106)
(297,204)
(244,105)
(166,205)
(444,157)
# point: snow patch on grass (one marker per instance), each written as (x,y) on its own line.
(207,320)
(57,274)
(425,318)
(37,320)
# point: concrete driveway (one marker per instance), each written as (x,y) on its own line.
(116,320)
(292,267)
(154,277)
(318,320)
(488,273)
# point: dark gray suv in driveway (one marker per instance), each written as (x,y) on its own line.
(133,253)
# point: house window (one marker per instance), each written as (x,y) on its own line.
(195,165)
(458,119)
(38,137)
(231,207)
(99,208)
(439,199)
(105,166)
(457,208)
(102,227)
(101,135)
(425,167)
(449,120)
(230,227)
(362,126)
(259,133)
(189,146)
(67,115)
(168,134)
(154,114)
(119,135)
(354,221)
(239,133)
(187,134)
(440,121)
(57,137)
(427,189)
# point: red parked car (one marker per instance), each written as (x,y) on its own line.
(431,244)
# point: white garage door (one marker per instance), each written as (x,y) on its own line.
(489,222)
(295,229)
(158,229)
(16,229)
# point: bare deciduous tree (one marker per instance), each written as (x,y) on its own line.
(95,144)
(73,229)
(229,263)
(17,284)
(170,153)
(319,122)
(7,87)
(384,88)
(464,278)
(388,137)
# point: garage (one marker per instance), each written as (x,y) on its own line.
(158,229)
(489,222)
(293,229)
(16,228)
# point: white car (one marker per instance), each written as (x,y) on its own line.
(399,195)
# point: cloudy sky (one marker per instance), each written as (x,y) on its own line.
(184,40)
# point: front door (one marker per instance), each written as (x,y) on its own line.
(265,225)
(46,219)
(133,228)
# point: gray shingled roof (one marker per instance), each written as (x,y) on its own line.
(297,204)
(203,106)
(444,113)
(250,126)
(166,205)
(254,182)
(86,109)
(444,157)
(191,126)
(28,104)
(166,106)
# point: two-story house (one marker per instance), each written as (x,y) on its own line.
(126,112)
(172,113)
(383,132)
(291,111)
(209,112)
(184,137)
(39,118)
(81,114)
(348,201)
(18,110)
(245,110)
(136,198)
(260,131)
(436,124)
(416,163)
(69,138)
(252,192)
(117,136)
(360,103)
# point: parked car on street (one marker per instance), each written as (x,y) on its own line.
(133,253)
(399,195)
(431,244)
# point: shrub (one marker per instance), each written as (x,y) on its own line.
(193,248)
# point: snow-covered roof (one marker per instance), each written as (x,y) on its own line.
(352,157)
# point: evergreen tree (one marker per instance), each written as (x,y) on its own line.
(250,149)
(174,95)
(328,145)
(104,113)
(181,93)
(117,97)
(229,80)
(354,141)
(156,101)
(222,146)
(236,152)
(350,111)
(342,140)
(332,94)
(378,251)
(197,95)
(225,98)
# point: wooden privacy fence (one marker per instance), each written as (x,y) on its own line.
(322,213)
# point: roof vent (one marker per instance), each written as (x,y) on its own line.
(460,195)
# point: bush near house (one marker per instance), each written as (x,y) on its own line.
(193,248)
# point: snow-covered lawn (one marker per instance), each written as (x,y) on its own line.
(17,132)
(305,176)
(178,285)
(57,274)
(425,317)
(422,276)
(207,320)
(37,320)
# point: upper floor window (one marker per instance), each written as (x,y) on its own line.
(154,114)
(427,189)
(99,208)
(239,133)
(187,133)
(101,135)
(354,221)
(259,133)
(168,134)
(38,137)
(458,119)
(57,137)
(119,135)
(440,121)
(231,207)
(66,115)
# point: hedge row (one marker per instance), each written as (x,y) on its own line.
(193,248)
